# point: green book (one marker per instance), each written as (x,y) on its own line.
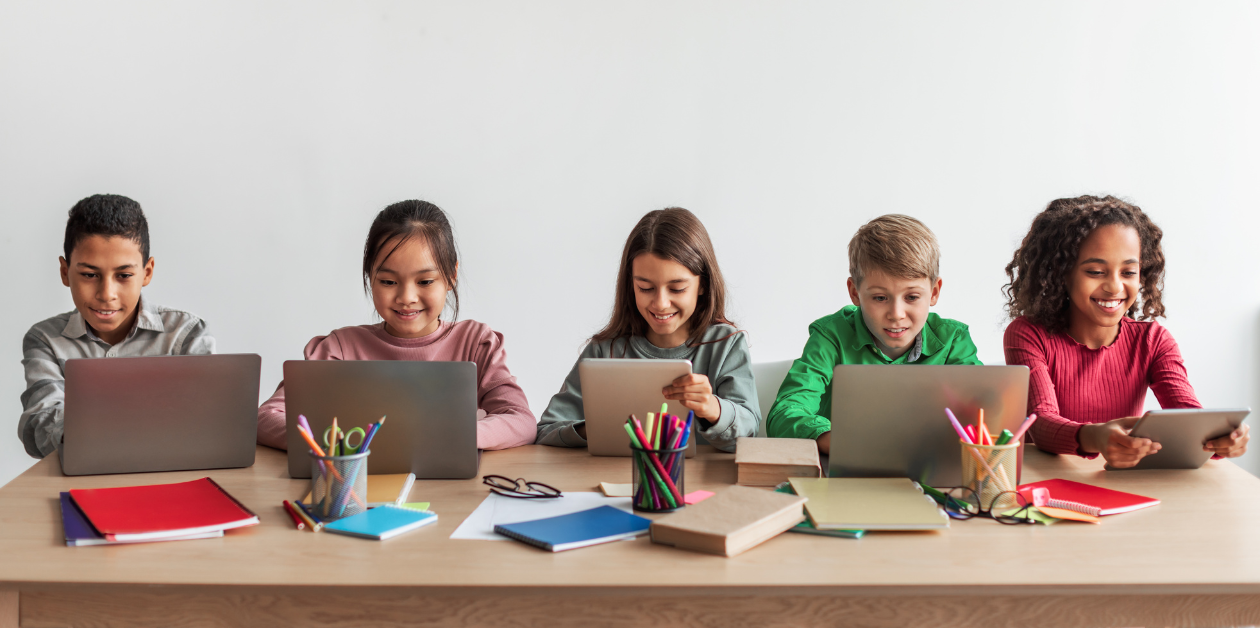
(805,527)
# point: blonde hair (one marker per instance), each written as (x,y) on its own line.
(896,244)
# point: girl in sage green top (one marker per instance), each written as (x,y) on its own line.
(670,304)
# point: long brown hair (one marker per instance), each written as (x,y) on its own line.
(673,234)
(1039,272)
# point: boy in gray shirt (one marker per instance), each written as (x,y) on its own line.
(106,264)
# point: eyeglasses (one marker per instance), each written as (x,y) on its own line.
(1007,508)
(520,488)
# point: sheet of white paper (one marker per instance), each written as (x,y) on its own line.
(497,509)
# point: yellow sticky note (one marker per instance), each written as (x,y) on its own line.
(1070,515)
(616,490)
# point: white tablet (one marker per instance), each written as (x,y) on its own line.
(613,389)
(1182,434)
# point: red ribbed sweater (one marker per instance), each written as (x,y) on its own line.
(1070,385)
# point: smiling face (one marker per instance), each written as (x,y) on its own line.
(894,308)
(665,293)
(105,275)
(1104,284)
(408,290)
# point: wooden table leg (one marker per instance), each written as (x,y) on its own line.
(8,609)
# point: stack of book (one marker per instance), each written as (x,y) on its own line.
(199,509)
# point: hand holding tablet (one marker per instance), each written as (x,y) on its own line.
(1185,438)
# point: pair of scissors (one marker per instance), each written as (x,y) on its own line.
(345,439)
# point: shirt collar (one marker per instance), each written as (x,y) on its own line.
(925,344)
(75,327)
(147,318)
(931,342)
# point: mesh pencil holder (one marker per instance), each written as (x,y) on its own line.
(338,485)
(657,479)
(990,471)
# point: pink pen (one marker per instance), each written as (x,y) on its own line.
(958,426)
(1024,428)
(962,435)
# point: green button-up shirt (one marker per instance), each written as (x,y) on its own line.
(802,408)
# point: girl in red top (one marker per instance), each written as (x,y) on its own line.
(1083,295)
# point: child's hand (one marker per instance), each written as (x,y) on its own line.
(824,443)
(695,393)
(1231,445)
(1112,440)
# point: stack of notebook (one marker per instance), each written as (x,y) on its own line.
(731,522)
(162,512)
(771,461)
(868,504)
(807,526)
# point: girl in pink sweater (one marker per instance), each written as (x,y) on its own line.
(1092,347)
(409,267)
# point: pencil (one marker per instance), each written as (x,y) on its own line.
(297,521)
(311,521)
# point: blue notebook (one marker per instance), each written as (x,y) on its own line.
(382,522)
(579,529)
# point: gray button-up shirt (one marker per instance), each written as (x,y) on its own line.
(47,346)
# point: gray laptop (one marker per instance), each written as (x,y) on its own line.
(165,413)
(889,420)
(432,408)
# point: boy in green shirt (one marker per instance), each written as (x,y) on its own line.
(894,265)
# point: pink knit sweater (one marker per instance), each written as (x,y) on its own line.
(507,421)
(1070,384)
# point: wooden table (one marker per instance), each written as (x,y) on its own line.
(1192,561)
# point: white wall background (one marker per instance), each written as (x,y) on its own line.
(261,137)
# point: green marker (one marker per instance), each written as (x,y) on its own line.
(1004,438)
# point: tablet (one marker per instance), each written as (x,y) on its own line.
(1182,434)
(613,389)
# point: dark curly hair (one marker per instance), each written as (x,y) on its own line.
(1044,261)
(107,215)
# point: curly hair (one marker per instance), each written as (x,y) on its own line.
(107,215)
(1043,263)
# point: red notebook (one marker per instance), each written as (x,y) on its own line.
(134,513)
(1110,502)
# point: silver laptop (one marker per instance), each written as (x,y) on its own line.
(889,420)
(432,408)
(615,388)
(163,413)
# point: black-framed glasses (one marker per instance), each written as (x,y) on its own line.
(520,488)
(1008,507)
